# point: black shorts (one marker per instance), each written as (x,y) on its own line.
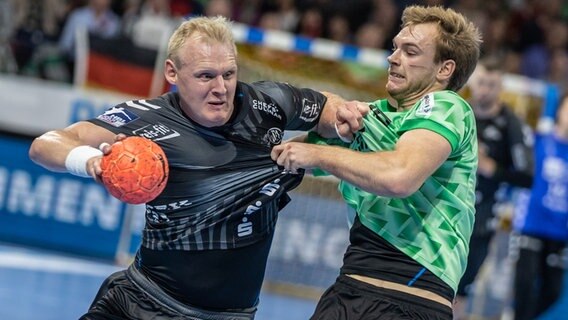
(129,295)
(351,299)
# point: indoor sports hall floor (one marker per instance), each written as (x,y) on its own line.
(40,285)
(37,285)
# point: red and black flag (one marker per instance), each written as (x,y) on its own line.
(118,64)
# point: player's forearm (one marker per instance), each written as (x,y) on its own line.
(298,138)
(326,124)
(51,149)
(379,173)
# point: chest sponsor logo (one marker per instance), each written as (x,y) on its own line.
(269,108)
(118,117)
(156,132)
(246,227)
(273,136)
(310,110)
(426,105)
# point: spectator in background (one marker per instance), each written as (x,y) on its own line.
(385,13)
(525,27)
(149,23)
(96,18)
(370,35)
(7,61)
(494,38)
(288,14)
(536,58)
(215,8)
(311,23)
(473,11)
(504,146)
(556,9)
(431,3)
(541,221)
(248,11)
(36,23)
(269,21)
(558,69)
(186,8)
(338,29)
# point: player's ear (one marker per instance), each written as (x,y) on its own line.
(446,70)
(170,71)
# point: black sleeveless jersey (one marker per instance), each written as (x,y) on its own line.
(508,141)
(224,191)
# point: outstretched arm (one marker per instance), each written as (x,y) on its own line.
(52,150)
(397,173)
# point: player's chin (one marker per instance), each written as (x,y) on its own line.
(216,119)
(394,90)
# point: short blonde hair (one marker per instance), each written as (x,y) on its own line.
(216,29)
(459,39)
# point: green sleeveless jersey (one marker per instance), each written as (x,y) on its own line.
(432,226)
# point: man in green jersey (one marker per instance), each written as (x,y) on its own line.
(409,175)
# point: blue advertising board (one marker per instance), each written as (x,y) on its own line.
(54,210)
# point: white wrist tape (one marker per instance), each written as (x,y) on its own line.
(346,140)
(76,161)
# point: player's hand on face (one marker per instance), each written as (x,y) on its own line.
(294,156)
(350,118)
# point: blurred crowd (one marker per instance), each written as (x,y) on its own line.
(530,37)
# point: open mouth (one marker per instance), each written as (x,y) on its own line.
(396,75)
(216,103)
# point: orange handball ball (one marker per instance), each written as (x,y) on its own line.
(135,171)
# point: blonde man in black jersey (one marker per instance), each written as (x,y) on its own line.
(207,236)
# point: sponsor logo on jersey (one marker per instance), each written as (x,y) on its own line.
(157,214)
(426,105)
(273,136)
(169,207)
(310,110)
(118,116)
(245,228)
(156,132)
(270,188)
(269,108)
